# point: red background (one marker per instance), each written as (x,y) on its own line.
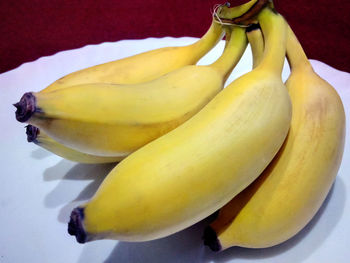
(33,28)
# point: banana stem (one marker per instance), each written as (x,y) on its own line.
(295,53)
(233,51)
(274,29)
(228,35)
(236,11)
(230,15)
(211,239)
(209,39)
(256,41)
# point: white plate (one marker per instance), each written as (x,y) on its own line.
(38,190)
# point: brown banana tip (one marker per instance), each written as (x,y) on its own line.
(75,225)
(26,107)
(32,133)
(211,240)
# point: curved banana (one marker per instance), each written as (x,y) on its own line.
(151,64)
(292,188)
(41,139)
(190,172)
(145,66)
(114,120)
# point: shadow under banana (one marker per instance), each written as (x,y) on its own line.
(69,192)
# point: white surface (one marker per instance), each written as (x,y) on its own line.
(38,190)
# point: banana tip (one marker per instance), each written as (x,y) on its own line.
(75,225)
(211,240)
(32,133)
(25,107)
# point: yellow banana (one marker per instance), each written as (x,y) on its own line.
(256,41)
(145,66)
(43,140)
(190,172)
(292,188)
(114,120)
(151,64)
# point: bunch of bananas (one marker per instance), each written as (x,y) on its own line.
(262,152)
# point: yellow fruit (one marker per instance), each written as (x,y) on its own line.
(290,191)
(145,66)
(187,174)
(114,120)
(41,139)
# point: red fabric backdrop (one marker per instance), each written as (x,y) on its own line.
(35,28)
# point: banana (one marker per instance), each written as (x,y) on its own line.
(151,64)
(291,190)
(41,139)
(145,66)
(190,172)
(256,41)
(107,119)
